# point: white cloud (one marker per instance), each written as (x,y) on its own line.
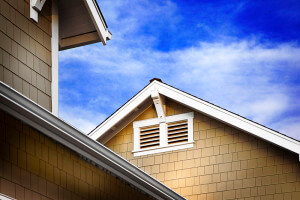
(81,118)
(246,77)
(289,126)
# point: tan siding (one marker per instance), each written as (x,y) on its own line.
(25,50)
(225,163)
(33,166)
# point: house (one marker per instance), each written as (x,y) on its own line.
(41,156)
(200,150)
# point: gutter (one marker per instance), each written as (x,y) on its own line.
(41,119)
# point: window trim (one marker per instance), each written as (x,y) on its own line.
(163,135)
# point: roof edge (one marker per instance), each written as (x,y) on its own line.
(120,113)
(201,106)
(98,20)
(41,119)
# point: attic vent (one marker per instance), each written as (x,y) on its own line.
(178,132)
(153,136)
(149,136)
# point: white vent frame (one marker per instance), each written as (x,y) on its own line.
(163,134)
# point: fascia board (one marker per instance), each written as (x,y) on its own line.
(122,112)
(42,120)
(203,107)
(79,40)
(229,118)
(98,20)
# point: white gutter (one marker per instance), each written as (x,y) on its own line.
(42,120)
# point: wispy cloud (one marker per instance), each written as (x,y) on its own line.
(83,119)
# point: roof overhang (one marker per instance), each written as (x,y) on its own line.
(81,22)
(107,129)
(42,120)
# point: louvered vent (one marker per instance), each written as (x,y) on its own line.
(178,132)
(149,136)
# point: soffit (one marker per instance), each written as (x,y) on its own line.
(79,23)
(74,19)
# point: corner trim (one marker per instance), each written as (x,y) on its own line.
(54,54)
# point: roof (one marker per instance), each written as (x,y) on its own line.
(42,120)
(81,22)
(108,128)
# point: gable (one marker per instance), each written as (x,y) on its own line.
(126,134)
(111,126)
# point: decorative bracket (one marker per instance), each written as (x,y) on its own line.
(159,106)
(35,7)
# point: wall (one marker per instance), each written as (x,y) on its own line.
(33,166)
(25,50)
(225,163)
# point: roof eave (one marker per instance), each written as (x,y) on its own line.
(39,118)
(98,20)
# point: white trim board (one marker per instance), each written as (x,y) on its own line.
(54,70)
(200,106)
(163,149)
(98,20)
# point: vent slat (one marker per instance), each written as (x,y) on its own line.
(178,124)
(149,138)
(149,130)
(177,141)
(149,142)
(179,128)
(150,145)
(177,131)
(178,135)
(156,132)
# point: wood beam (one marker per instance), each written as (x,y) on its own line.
(159,106)
(35,7)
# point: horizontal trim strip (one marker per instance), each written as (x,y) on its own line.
(154,150)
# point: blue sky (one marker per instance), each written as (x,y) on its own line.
(241,55)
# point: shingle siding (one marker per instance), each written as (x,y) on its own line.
(25,50)
(33,166)
(225,163)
